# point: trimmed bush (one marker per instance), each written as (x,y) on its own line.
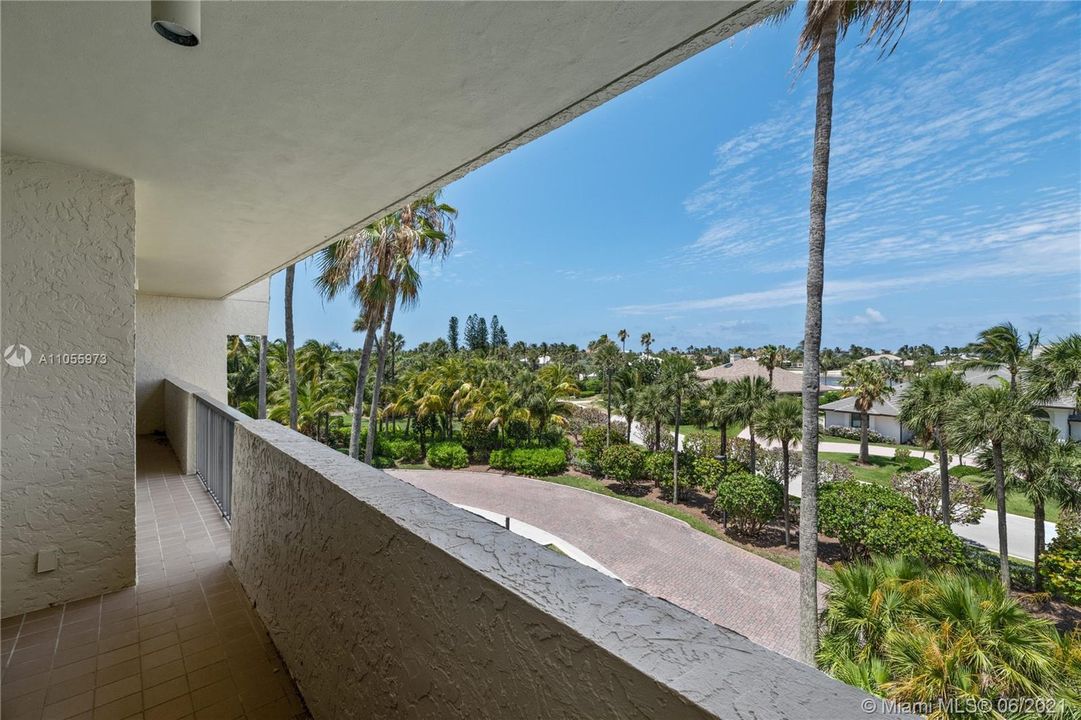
(848,510)
(536,462)
(479,440)
(916,537)
(623,463)
(404,450)
(902,455)
(593,445)
(750,501)
(658,468)
(964,471)
(709,472)
(1060,563)
(448,455)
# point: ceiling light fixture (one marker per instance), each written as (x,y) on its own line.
(177,21)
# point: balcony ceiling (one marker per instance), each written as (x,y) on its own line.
(293,121)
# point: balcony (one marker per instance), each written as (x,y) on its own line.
(184,641)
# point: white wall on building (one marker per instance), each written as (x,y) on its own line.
(186,339)
(68,416)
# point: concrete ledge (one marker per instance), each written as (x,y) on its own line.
(180,420)
(388,602)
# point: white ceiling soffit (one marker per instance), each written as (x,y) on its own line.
(292,122)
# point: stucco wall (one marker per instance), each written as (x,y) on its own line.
(186,338)
(68,442)
(388,602)
(179,405)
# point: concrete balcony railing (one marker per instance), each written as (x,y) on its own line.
(385,601)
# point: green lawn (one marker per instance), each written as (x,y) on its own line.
(881,469)
(825,575)
(884,468)
(734,429)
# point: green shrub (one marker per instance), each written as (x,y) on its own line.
(593,445)
(902,455)
(750,501)
(709,472)
(448,455)
(479,440)
(623,463)
(1060,563)
(658,468)
(917,537)
(847,510)
(964,471)
(404,450)
(702,444)
(517,431)
(536,462)
(382,461)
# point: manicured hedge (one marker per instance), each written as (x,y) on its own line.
(917,537)
(847,510)
(537,462)
(624,463)
(448,455)
(404,450)
(750,501)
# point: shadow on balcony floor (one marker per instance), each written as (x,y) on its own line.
(183,643)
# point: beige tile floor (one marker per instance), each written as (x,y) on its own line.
(183,643)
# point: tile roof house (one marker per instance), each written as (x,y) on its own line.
(784,381)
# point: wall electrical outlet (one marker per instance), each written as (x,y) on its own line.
(47,560)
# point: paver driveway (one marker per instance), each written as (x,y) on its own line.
(651,551)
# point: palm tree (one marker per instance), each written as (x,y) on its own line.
(1041,468)
(769,357)
(782,421)
(652,404)
(356,263)
(1056,371)
(1001,346)
(290,345)
(913,635)
(746,397)
(262,376)
(925,406)
(423,228)
(678,381)
(719,411)
(868,384)
(622,335)
(883,21)
(646,340)
(607,358)
(994,416)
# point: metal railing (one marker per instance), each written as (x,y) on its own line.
(214,450)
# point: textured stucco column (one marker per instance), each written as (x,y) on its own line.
(387,602)
(68,427)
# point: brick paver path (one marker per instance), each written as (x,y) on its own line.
(651,551)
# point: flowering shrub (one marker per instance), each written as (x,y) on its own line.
(924,489)
(850,433)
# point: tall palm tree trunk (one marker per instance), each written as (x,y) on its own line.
(362,379)
(373,417)
(608,432)
(865,455)
(1038,518)
(290,345)
(944,475)
(812,341)
(656,433)
(724,443)
(675,455)
(754,453)
(262,377)
(1000,507)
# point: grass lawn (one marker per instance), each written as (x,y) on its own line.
(1016,503)
(881,469)
(734,429)
(825,575)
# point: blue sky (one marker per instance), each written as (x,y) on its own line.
(680,207)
